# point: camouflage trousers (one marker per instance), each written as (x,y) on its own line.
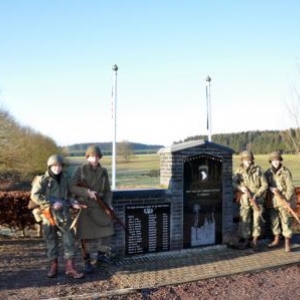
(250,222)
(55,235)
(281,222)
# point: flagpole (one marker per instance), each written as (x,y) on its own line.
(208,103)
(114,115)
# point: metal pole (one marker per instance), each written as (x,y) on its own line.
(208,103)
(114,108)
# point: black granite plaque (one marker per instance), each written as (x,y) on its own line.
(149,228)
(202,209)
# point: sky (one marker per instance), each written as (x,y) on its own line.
(56,60)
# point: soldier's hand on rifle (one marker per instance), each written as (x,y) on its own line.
(273,190)
(244,190)
(77,205)
(254,198)
(92,194)
(57,205)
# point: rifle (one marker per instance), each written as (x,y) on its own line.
(48,215)
(55,220)
(254,204)
(66,202)
(107,209)
(285,204)
(46,211)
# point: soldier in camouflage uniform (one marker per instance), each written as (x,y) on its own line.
(50,193)
(94,227)
(250,181)
(279,179)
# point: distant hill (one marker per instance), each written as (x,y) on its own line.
(260,142)
(106,148)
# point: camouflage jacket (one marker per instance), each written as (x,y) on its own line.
(253,179)
(283,181)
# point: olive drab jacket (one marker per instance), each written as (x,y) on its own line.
(93,222)
(283,181)
(254,180)
(45,191)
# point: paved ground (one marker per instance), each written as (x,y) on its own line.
(197,264)
(23,268)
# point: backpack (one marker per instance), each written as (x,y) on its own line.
(31,204)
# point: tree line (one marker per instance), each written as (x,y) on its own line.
(124,148)
(260,142)
(23,151)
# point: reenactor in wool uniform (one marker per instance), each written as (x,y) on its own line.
(280,180)
(50,193)
(94,227)
(250,182)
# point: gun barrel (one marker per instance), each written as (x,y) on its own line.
(108,210)
(285,204)
(254,204)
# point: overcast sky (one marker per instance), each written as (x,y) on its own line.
(56,61)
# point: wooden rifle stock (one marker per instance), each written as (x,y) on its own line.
(285,204)
(108,210)
(48,215)
(254,204)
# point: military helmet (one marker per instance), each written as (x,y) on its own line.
(247,155)
(275,155)
(93,150)
(55,160)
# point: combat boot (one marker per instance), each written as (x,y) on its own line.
(287,245)
(53,269)
(245,244)
(255,243)
(71,271)
(103,258)
(88,268)
(275,242)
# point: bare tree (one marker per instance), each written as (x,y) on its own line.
(291,136)
(125,149)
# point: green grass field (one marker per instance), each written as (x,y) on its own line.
(141,172)
(143,169)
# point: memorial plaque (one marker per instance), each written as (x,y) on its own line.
(202,201)
(149,228)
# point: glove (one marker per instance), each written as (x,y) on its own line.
(57,205)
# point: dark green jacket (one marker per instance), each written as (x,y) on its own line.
(45,191)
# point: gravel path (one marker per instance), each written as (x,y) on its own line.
(23,267)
